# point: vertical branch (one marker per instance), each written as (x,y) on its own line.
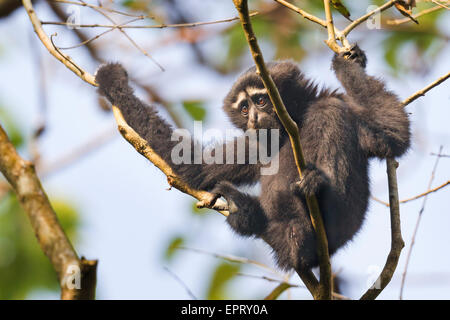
(52,239)
(331,41)
(324,290)
(397,243)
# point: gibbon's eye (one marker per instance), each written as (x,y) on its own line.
(260,101)
(244,108)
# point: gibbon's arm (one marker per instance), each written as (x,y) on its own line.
(383,123)
(325,138)
(113,84)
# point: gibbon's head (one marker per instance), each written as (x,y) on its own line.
(248,105)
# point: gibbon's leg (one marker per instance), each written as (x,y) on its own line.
(247,217)
(113,84)
(383,125)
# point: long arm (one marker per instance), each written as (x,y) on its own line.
(144,119)
(383,124)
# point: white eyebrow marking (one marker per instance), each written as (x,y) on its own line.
(240,97)
(253,91)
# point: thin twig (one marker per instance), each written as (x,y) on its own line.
(157,26)
(363,18)
(324,291)
(416,228)
(423,91)
(231,258)
(440,4)
(415,197)
(97,36)
(66,60)
(127,132)
(84,4)
(145,53)
(427,192)
(417,15)
(440,155)
(189,292)
(303,13)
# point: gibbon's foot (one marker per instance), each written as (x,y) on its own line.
(357,55)
(312,181)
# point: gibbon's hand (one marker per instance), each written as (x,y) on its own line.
(112,80)
(355,54)
(227,190)
(312,181)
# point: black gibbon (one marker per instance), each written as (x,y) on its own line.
(339,134)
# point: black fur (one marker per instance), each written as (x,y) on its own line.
(339,133)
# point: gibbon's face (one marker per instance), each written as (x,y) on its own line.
(252,109)
(248,105)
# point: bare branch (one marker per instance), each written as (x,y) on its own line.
(92,6)
(156,26)
(87,41)
(66,60)
(127,132)
(417,15)
(303,13)
(427,192)
(397,243)
(363,18)
(145,53)
(415,197)
(231,258)
(324,291)
(422,92)
(331,41)
(51,237)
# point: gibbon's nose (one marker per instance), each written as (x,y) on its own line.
(252,118)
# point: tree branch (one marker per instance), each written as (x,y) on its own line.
(397,243)
(127,132)
(363,18)
(52,239)
(324,290)
(331,41)
(422,92)
(303,13)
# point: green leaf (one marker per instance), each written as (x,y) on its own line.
(174,244)
(222,276)
(341,8)
(195,109)
(23,266)
(11,128)
(279,289)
